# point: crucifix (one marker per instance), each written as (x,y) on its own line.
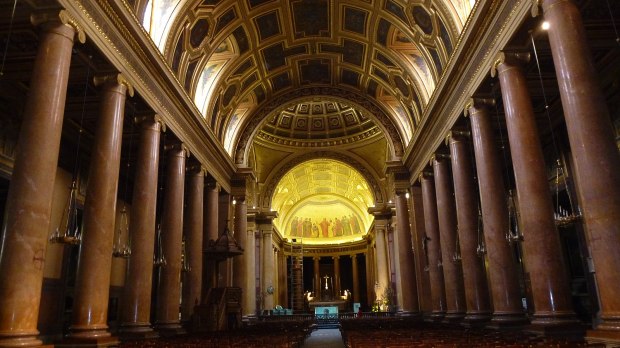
(326,284)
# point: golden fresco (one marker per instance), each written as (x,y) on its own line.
(323,201)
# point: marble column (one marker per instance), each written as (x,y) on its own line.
(433,247)
(370,275)
(502,267)
(211,205)
(420,256)
(446,214)
(282,281)
(405,265)
(594,153)
(29,201)
(382,281)
(240,263)
(267,247)
(136,300)
(356,279)
(541,243)
(193,222)
(317,277)
(92,285)
(474,276)
(249,253)
(240,226)
(169,287)
(337,289)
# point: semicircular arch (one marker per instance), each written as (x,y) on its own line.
(378,113)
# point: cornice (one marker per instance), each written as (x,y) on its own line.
(310,250)
(113,28)
(488,30)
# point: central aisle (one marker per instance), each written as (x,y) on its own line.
(324,338)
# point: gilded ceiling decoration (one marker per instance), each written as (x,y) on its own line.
(234,56)
(323,201)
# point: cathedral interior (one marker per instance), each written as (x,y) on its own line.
(175,166)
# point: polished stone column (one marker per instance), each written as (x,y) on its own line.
(356,279)
(169,287)
(193,222)
(136,300)
(283,286)
(474,276)
(267,248)
(249,252)
(337,289)
(317,276)
(502,268)
(240,227)
(382,281)
(92,285)
(370,276)
(29,201)
(240,263)
(446,214)
(594,152)
(433,247)
(211,206)
(406,289)
(541,243)
(419,253)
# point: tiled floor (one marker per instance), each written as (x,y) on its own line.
(324,338)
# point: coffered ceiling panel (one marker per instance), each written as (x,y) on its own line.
(392,51)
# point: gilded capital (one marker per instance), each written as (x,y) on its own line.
(151,118)
(178,146)
(114,78)
(511,58)
(476,103)
(61,16)
(197,169)
(425,174)
(457,135)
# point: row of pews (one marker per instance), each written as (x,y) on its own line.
(287,334)
(403,332)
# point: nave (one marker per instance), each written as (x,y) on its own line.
(365,333)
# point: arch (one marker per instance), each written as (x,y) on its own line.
(274,178)
(250,129)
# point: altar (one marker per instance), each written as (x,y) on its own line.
(327,299)
(331,306)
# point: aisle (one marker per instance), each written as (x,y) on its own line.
(324,338)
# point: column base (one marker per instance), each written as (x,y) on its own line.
(409,315)
(476,319)
(170,329)
(135,331)
(507,321)
(572,331)
(610,338)
(453,317)
(435,317)
(83,342)
(24,340)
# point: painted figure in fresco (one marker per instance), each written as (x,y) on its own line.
(315,231)
(307,228)
(346,227)
(325,227)
(337,228)
(294,232)
(358,226)
(300,226)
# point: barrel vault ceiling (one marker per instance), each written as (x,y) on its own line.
(307,74)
